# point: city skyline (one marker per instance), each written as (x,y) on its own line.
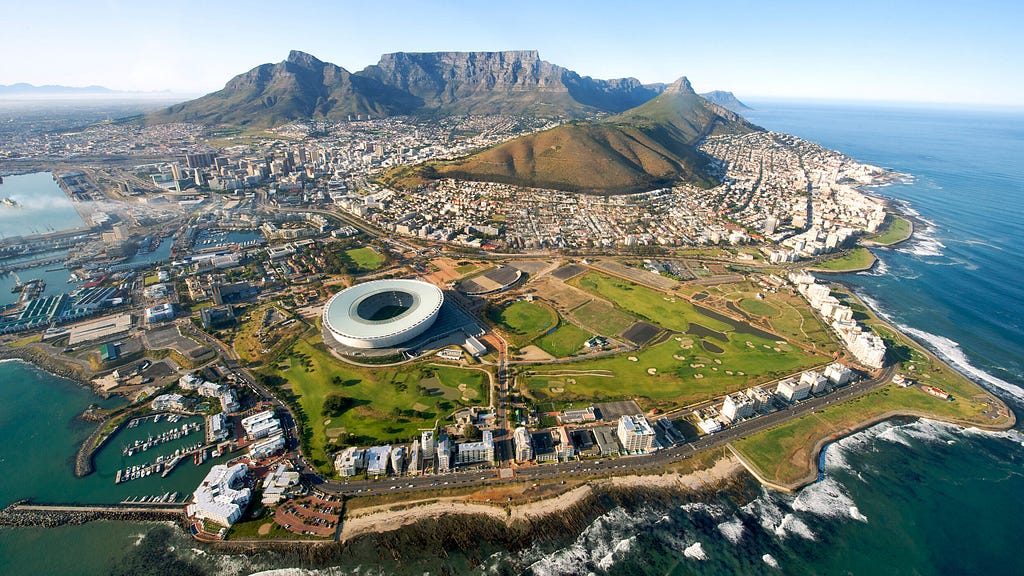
(939,53)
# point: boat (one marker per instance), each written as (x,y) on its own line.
(10,202)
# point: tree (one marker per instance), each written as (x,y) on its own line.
(471,432)
(336,404)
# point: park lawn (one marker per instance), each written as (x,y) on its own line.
(151,279)
(603,318)
(758,307)
(896,230)
(367,259)
(467,268)
(523,321)
(390,404)
(564,341)
(249,529)
(859,258)
(669,312)
(674,381)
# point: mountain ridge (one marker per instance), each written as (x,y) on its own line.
(426,83)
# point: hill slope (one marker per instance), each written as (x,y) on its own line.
(646,147)
(300,87)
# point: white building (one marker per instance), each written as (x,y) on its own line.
(793,390)
(523,445)
(816,381)
(444,454)
(229,401)
(261,425)
(709,425)
(398,460)
(635,434)
(476,452)
(838,374)
(760,397)
(377,459)
(267,447)
(737,406)
(219,429)
(415,454)
(169,402)
(277,483)
(221,497)
(350,461)
(159,313)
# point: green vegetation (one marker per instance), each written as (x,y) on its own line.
(683,371)
(859,258)
(256,343)
(895,230)
(564,341)
(669,312)
(758,307)
(785,454)
(366,259)
(603,318)
(380,404)
(524,321)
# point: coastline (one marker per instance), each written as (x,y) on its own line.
(385,517)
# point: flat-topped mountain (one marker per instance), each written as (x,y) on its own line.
(513,82)
(647,147)
(726,100)
(503,82)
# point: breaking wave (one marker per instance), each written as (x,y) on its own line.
(948,350)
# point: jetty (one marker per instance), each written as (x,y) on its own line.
(25,513)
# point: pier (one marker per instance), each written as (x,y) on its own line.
(25,513)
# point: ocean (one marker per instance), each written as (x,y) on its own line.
(903,497)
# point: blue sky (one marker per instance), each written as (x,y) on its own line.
(938,51)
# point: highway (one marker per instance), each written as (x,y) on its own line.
(479,476)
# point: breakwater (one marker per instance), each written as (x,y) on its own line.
(25,513)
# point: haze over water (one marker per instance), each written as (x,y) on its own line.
(42,206)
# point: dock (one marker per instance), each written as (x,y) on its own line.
(25,513)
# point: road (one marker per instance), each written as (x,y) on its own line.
(463,478)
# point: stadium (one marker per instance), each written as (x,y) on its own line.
(382,313)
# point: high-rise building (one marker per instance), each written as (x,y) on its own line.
(523,446)
(444,454)
(635,434)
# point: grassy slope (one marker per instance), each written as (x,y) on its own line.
(563,342)
(524,321)
(859,258)
(367,259)
(896,230)
(656,307)
(377,391)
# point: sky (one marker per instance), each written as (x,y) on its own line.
(937,51)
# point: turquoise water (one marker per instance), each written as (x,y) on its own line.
(43,206)
(911,497)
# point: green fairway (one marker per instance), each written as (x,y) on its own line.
(666,311)
(857,259)
(523,321)
(387,404)
(563,342)
(603,318)
(673,372)
(367,259)
(758,307)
